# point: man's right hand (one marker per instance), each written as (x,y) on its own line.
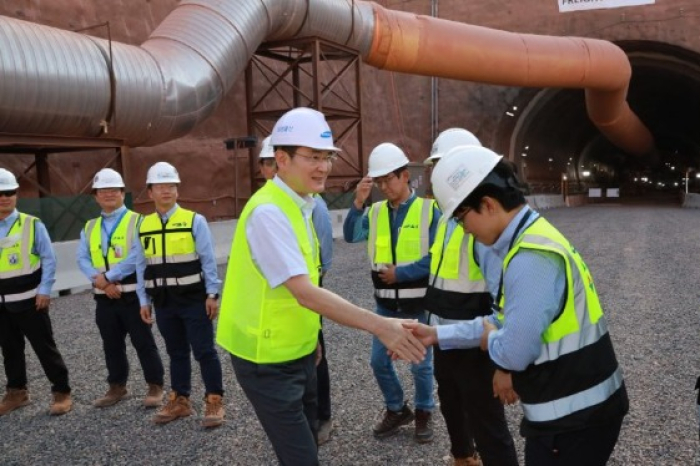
(146,315)
(426,334)
(362,191)
(112,291)
(400,341)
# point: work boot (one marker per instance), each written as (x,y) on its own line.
(114,395)
(468,461)
(14,398)
(392,420)
(177,406)
(214,410)
(325,427)
(424,426)
(154,397)
(61,404)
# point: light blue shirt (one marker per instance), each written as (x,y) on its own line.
(204,245)
(118,271)
(273,244)
(324,231)
(535,283)
(42,248)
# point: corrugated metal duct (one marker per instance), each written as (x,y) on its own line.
(55,82)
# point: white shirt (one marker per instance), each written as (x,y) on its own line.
(273,244)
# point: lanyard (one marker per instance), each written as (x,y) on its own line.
(521,224)
(112,230)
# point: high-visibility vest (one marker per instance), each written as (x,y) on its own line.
(117,250)
(576,381)
(412,245)
(258,323)
(457,289)
(20,268)
(172,262)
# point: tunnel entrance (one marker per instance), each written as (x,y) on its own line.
(552,138)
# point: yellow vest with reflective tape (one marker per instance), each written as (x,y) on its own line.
(20,267)
(258,323)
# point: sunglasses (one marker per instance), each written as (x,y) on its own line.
(8,193)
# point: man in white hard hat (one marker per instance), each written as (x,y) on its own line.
(457,291)
(107,257)
(271,301)
(27,270)
(324,231)
(181,281)
(548,336)
(400,232)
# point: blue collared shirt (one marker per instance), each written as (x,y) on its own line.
(324,231)
(535,283)
(204,245)
(356,229)
(118,271)
(42,248)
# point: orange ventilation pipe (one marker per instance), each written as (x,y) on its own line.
(435,47)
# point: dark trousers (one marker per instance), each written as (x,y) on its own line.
(324,383)
(588,447)
(285,400)
(115,319)
(472,414)
(36,327)
(182,327)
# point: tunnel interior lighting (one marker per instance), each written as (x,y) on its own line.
(586,173)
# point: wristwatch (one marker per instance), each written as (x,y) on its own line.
(213,296)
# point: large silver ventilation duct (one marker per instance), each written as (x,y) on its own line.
(55,82)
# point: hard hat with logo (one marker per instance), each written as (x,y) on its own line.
(449,139)
(8,182)
(267,151)
(384,159)
(303,127)
(107,178)
(458,174)
(162,173)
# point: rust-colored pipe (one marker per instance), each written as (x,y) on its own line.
(435,47)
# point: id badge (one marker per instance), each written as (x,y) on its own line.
(118,252)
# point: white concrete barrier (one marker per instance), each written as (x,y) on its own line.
(691,201)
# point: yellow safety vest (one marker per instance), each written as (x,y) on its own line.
(117,250)
(576,381)
(412,245)
(20,268)
(258,323)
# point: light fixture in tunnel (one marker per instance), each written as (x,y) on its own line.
(510,114)
(586,173)
(523,154)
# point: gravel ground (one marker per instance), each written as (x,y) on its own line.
(643,260)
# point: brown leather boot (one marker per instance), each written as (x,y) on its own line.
(154,397)
(61,404)
(177,406)
(468,461)
(14,398)
(214,413)
(114,395)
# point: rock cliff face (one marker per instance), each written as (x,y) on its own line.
(552,124)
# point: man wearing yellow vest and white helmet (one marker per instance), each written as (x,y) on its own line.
(271,300)
(457,291)
(399,233)
(181,279)
(548,336)
(27,270)
(107,257)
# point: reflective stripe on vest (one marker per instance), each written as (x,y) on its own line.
(20,268)
(124,288)
(171,253)
(579,330)
(118,249)
(458,271)
(13,298)
(258,323)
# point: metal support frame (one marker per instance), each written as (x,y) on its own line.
(309,72)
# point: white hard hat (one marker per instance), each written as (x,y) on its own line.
(162,173)
(107,178)
(8,182)
(458,174)
(448,139)
(303,127)
(267,151)
(384,159)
